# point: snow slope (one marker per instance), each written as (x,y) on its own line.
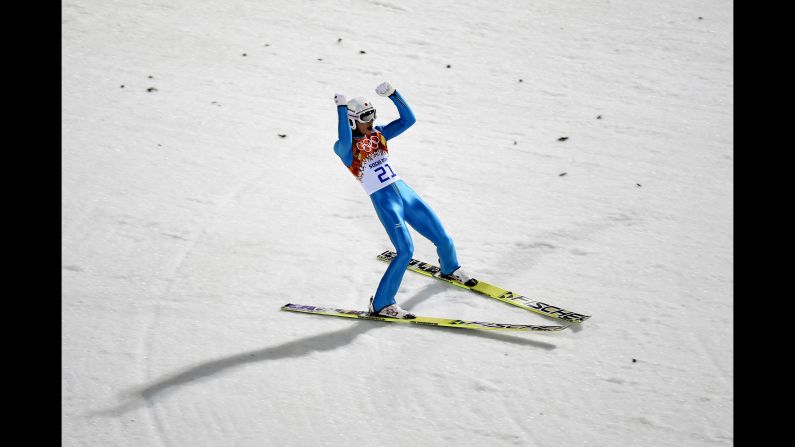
(188,221)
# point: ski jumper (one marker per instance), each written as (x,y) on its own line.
(395,203)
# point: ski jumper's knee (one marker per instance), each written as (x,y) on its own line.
(405,250)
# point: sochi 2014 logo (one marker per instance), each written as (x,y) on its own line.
(368,144)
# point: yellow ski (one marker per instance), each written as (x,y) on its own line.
(428,321)
(494,292)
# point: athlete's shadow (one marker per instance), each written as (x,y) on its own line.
(328,341)
(146,394)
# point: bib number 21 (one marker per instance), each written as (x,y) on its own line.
(382,174)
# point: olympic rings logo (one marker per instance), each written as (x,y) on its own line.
(368,144)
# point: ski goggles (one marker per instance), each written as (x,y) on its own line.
(364,116)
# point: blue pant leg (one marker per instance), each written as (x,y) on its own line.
(423,219)
(390,209)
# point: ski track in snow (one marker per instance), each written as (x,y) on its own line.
(201,193)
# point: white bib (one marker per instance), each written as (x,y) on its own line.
(377,173)
(371,163)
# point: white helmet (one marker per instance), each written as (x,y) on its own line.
(361,110)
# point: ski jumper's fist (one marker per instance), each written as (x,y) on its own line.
(385,89)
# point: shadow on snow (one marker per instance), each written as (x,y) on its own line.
(145,395)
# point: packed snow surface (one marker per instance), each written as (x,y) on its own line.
(579,153)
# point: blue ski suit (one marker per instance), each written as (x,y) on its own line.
(394,201)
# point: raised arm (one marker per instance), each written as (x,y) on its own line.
(343,145)
(406,119)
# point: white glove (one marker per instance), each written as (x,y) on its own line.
(339,99)
(385,89)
